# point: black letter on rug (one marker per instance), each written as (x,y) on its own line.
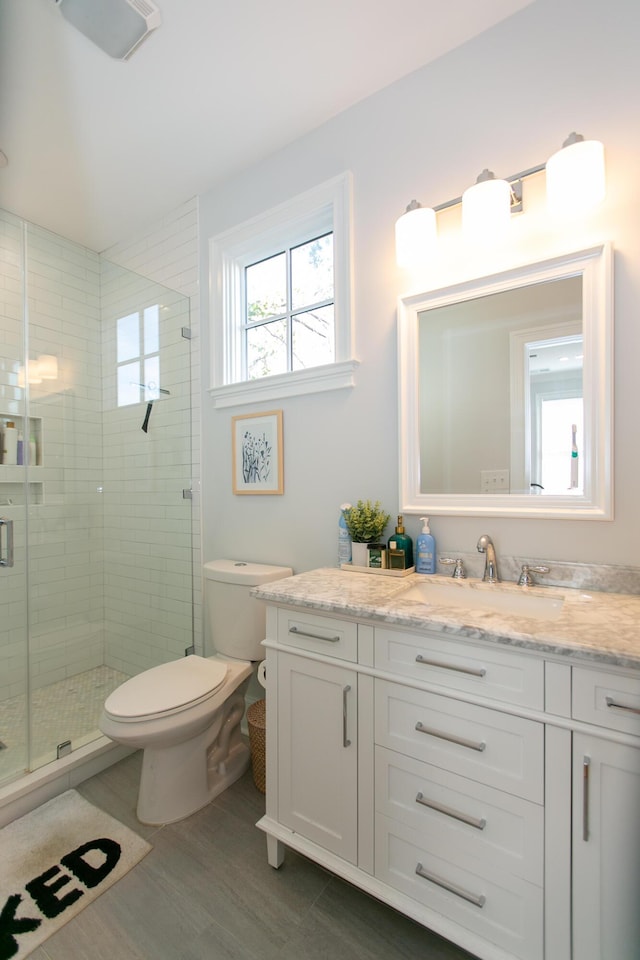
(91,876)
(45,894)
(11,925)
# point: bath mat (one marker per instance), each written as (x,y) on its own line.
(53,862)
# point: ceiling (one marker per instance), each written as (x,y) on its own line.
(98,148)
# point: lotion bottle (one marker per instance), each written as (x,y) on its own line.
(344,540)
(400,541)
(425,550)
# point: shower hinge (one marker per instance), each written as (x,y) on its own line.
(187,494)
(186,333)
(189,651)
(64,749)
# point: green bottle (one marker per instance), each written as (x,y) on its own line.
(400,548)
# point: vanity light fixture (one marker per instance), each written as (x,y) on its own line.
(575,175)
(416,235)
(486,208)
(575,182)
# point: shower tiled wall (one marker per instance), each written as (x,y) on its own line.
(167,253)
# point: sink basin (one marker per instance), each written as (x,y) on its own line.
(493,597)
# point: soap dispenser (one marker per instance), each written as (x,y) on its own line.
(400,548)
(425,550)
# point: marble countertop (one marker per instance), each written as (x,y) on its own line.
(601,627)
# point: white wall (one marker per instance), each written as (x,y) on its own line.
(506,100)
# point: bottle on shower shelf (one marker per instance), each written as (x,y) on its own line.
(10,444)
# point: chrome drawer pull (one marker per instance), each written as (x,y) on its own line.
(450,812)
(585,798)
(451,666)
(472,744)
(345,741)
(610,702)
(478,900)
(312,636)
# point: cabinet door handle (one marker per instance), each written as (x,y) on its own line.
(471,744)
(345,740)
(476,899)
(479,824)
(7,560)
(312,636)
(586,762)
(451,666)
(610,702)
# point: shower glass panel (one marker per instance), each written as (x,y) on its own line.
(101,586)
(14,491)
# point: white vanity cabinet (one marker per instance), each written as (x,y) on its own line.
(318,750)
(606,818)
(435,773)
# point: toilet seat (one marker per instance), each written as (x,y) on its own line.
(166,689)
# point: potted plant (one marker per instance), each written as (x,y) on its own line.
(365,522)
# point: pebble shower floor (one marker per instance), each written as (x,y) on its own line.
(66,710)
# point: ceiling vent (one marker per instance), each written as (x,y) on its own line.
(116,26)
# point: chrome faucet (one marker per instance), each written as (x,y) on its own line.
(485,545)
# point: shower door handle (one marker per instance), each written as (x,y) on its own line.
(6,560)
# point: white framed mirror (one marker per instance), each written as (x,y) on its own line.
(506,392)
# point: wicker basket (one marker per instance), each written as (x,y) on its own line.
(257,722)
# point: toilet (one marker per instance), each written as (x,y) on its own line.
(185,715)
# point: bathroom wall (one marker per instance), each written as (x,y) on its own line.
(506,100)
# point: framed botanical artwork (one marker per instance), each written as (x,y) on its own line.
(257,458)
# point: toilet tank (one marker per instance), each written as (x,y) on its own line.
(236,621)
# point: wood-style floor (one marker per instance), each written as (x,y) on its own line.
(206,892)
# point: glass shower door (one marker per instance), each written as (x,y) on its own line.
(101,585)
(14,690)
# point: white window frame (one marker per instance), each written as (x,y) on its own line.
(318,211)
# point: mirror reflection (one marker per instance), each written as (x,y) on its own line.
(500,392)
(506,392)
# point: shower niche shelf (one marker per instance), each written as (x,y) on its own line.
(13,490)
(13,493)
(31,429)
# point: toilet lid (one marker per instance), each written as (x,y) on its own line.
(167,687)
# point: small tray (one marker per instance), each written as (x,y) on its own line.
(377,570)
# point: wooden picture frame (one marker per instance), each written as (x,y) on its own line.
(257,453)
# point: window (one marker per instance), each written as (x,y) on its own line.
(138,356)
(289,310)
(281,300)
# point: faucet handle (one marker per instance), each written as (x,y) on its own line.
(526,577)
(459,573)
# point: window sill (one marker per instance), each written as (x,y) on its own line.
(331,376)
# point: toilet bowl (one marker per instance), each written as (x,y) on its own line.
(185,715)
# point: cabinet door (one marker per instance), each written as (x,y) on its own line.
(606,850)
(317,752)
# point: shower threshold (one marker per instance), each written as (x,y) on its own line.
(66,710)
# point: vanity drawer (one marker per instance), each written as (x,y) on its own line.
(503,909)
(325,635)
(607,699)
(510,677)
(502,751)
(467,818)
